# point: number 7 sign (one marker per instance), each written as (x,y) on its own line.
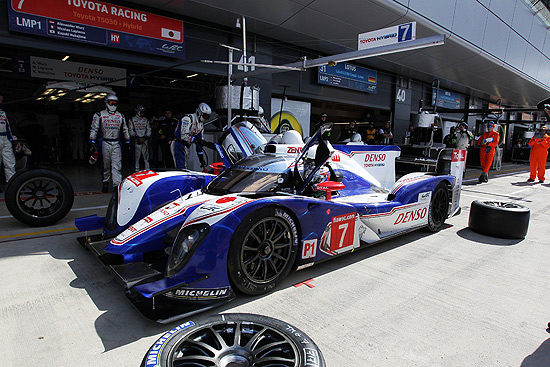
(342,232)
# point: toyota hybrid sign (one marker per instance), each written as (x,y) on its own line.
(99,23)
(387,36)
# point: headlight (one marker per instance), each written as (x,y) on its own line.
(185,243)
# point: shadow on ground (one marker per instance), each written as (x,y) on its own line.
(540,357)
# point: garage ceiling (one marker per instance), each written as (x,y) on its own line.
(330,27)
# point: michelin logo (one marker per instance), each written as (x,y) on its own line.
(153,357)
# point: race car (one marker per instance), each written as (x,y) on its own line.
(266,215)
(143,192)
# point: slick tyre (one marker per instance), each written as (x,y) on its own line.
(439,207)
(499,219)
(262,251)
(234,340)
(39,197)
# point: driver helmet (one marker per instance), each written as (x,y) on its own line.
(356,138)
(544,129)
(140,110)
(111,101)
(203,112)
(292,137)
(260,111)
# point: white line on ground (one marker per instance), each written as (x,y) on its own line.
(73,210)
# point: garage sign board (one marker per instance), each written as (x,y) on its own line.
(99,23)
(387,36)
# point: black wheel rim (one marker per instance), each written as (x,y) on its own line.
(234,344)
(40,197)
(266,250)
(439,207)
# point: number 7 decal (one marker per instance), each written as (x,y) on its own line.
(342,232)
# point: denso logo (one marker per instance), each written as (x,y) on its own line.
(336,157)
(375,157)
(294,150)
(410,216)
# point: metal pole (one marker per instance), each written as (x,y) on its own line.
(229,73)
(244,48)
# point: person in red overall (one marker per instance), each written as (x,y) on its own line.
(488,141)
(539,144)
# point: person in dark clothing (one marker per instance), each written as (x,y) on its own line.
(350,131)
(166,128)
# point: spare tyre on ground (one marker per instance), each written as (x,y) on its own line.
(240,340)
(39,197)
(499,219)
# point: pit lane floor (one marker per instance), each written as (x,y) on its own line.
(453,298)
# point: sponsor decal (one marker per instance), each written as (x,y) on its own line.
(336,157)
(288,218)
(411,215)
(199,293)
(311,357)
(375,157)
(459,155)
(138,177)
(294,150)
(424,196)
(342,232)
(304,266)
(153,357)
(309,249)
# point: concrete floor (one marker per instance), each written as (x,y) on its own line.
(453,298)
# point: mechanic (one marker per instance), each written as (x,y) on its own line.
(464,139)
(488,141)
(261,123)
(320,123)
(385,135)
(349,132)
(155,137)
(371,133)
(539,144)
(140,132)
(166,129)
(450,139)
(106,127)
(189,131)
(6,148)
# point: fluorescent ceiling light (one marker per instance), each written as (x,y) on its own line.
(65,58)
(191,76)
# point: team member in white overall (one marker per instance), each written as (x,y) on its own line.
(106,127)
(140,131)
(6,148)
(189,131)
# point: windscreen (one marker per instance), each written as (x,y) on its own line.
(260,173)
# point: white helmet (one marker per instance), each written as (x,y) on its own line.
(292,137)
(203,112)
(111,101)
(356,138)
(139,110)
(260,111)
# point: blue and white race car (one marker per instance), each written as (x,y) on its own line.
(286,208)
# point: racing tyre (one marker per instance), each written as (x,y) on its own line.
(439,207)
(499,219)
(239,340)
(262,251)
(39,197)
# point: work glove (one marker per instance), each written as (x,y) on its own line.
(488,149)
